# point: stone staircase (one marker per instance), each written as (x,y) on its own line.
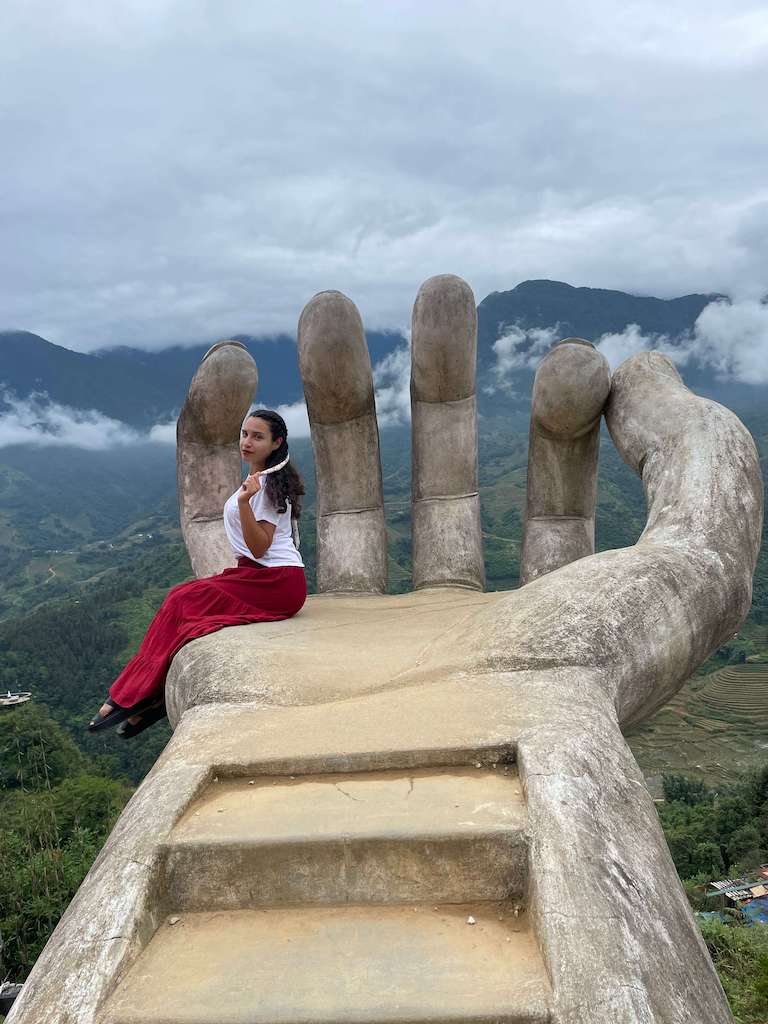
(370,896)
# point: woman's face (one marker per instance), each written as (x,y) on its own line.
(256,442)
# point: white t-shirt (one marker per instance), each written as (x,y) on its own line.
(282,550)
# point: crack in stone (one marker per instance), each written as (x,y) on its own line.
(556,775)
(355,798)
(579,917)
(576,1012)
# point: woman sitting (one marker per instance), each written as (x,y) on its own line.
(268,583)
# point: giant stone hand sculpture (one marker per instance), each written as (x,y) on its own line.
(448,693)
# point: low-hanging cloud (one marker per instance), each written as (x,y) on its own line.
(392,387)
(392,395)
(37,421)
(296,418)
(728,338)
(391,380)
(519,349)
(732,338)
(616,347)
(163,433)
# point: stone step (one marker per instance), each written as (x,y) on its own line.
(337,965)
(391,836)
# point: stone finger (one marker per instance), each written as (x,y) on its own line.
(447,538)
(338,385)
(208,468)
(569,393)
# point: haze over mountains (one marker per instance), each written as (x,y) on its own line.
(717,346)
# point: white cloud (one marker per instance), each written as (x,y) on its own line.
(37,421)
(296,419)
(732,338)
(618,347)
(392,387)
(44,424)
(163,433)
(392,394)
(518,349)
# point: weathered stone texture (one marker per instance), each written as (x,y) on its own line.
(338,386)
(208,467)
(570,390)
(445,513)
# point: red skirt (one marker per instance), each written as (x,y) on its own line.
(235,597)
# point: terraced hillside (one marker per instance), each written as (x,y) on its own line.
(739,693)
(717,726)
(760,639)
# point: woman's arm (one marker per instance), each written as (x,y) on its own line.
(257,535)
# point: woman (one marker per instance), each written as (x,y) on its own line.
(268,583)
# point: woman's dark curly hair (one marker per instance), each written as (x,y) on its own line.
(286,482)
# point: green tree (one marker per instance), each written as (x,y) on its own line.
(731,812)
(56,812)
(34,752)
(681,788)
(707,860)
(744,849)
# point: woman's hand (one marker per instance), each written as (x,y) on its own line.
(250,486)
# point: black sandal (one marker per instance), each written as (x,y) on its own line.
(117,715)
(152,715)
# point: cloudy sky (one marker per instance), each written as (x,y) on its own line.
(180,171)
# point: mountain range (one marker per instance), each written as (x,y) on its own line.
(142,388)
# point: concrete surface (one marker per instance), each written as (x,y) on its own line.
(208,466)
(338,387)
(123,898)
(336,647)
(570,390)
(390,965)
(360,806)
(445,509)
(386,837)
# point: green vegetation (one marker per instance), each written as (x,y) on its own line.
(57,808)
(68,652)
(713,834)
(741,957)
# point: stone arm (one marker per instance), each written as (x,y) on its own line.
(641,619)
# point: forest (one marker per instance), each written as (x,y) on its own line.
(723,834)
